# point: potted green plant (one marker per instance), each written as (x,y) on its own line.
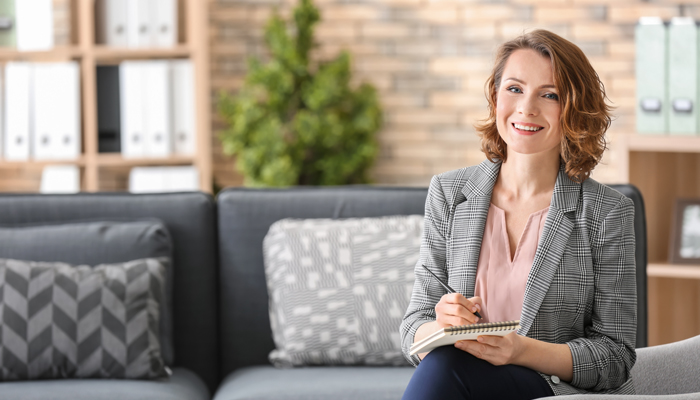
(294,123)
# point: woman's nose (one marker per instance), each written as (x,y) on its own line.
(528,105)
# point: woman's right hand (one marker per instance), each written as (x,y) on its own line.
(454,309)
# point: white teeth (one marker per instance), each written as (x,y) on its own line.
(527,128)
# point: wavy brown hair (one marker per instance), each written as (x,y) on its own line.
(585,115)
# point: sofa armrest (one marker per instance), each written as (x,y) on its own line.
(665,372)
(668,369)
(686,396)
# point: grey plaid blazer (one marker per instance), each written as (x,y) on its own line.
(581,290)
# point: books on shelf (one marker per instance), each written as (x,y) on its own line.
(163,179)
(42,111)
(136,23)
(157,108)
(453,334)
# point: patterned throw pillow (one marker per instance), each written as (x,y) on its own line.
(339,288)
(64,321)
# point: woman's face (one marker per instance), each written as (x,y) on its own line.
(527,105)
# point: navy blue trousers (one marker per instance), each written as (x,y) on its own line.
(450,373)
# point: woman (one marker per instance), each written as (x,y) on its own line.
(527,235)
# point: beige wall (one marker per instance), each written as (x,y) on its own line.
(430,59)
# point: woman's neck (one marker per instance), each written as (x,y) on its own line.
(524,176)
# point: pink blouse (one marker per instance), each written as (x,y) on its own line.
(501,282)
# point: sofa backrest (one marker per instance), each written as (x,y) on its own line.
(245,215)
(191,221)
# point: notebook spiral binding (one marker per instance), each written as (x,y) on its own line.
(483,327)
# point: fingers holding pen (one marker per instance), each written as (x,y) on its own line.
(454,309)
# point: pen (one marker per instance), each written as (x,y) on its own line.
(446,286)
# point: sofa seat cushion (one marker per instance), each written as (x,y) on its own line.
(315,383)
(182,385)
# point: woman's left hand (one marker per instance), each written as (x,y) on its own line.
(498,350)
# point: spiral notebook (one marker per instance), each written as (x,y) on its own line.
(453,334)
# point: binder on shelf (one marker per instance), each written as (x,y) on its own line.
(108,109)
(2,111)
(164,23)
(8,24)
(682,76)
(651,50)
(67,133)
(60,179)
(46,97)
(132,104)
(34,20)
(157,108)
(56,111)
(183,108)
(18,102)
(163,179)
(139,23)
(111,22)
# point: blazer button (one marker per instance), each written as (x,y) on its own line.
(555,379)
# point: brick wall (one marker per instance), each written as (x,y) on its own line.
(430,59)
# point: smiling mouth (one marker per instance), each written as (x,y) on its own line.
(527,128)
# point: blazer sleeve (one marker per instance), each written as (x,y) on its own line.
(426,291)
(604,358)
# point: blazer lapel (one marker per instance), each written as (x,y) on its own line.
(468,226)
(553,242)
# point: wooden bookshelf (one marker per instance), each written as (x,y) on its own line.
(115,160)
(664,168)
(193,44)
(661,270)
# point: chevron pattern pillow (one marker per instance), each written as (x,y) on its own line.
(339,288)
(64,321)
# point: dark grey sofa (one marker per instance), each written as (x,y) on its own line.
(221,323)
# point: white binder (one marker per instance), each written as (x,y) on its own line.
(67,133)
(2,111)
(46,99)
(182,179)
(146,180)
(18,88)
(164,23)
(34,20)
(183,108)
(60,179)
(682,76)
(157,108)
(163,179)
(56,111)
(139,22)
(651,76)
(111,22)
(131,81)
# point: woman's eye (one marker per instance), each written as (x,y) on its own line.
(552,96)
(514,89)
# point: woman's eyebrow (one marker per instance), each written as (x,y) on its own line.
(541,87)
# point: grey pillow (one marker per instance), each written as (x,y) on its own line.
(65,321)
(339,288)
(93,243)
